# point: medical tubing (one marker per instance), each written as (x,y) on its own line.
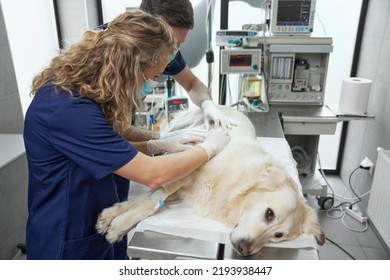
(302,158)
(158,196)
(169,86)
(253,108)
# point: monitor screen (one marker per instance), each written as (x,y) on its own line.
(292,17)
(292,12)
(237,60)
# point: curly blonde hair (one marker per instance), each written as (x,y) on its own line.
(106,65)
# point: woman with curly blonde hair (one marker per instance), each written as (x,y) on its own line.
(83,103)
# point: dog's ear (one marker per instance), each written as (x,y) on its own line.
(271,176)
(274,176)
(311,225)
(292,184)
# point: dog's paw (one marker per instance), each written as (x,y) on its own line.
(120,226)
(106,216)
(135,212)
(118,220)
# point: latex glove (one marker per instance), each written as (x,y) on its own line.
(212,113)
(176,141)
(215,141)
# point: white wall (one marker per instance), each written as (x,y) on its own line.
(33,40)
(340,20)
(113,8)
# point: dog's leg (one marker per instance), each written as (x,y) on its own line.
(118,220)
(174,187)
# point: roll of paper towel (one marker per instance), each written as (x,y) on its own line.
(355,94)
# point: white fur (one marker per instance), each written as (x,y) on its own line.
(243,186)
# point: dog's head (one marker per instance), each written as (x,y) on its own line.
(272,210)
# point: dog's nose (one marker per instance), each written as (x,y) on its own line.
(243,247)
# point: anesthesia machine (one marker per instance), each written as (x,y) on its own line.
(282,68)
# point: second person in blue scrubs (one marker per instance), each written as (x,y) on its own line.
(83,103)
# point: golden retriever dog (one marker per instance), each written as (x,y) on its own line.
(243,186)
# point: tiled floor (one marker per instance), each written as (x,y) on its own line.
(360,245)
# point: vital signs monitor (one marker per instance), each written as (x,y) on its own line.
(292,17)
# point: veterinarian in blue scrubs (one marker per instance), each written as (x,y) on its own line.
(83,102)
(180,16)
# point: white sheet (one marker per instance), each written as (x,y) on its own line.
(177,219)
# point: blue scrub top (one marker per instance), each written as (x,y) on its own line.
(72,152)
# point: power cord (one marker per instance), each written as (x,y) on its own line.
(353,229)
(339,207)
(346,204)
(304,165)
(341,248)
(350,186)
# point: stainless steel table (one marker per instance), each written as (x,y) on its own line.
(159,246)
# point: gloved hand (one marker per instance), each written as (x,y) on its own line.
(215,141)
(212,113)
(176,141)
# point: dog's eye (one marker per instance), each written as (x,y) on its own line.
(269,215)
(278,234)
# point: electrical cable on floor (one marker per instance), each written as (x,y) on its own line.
(333,209)
(358,197)
(342,217)
(304,165)
(342,197)
(355,202)
(339,206)
(354,229)
(352,198)
(341,248)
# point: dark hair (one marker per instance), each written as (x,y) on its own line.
(178,13)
